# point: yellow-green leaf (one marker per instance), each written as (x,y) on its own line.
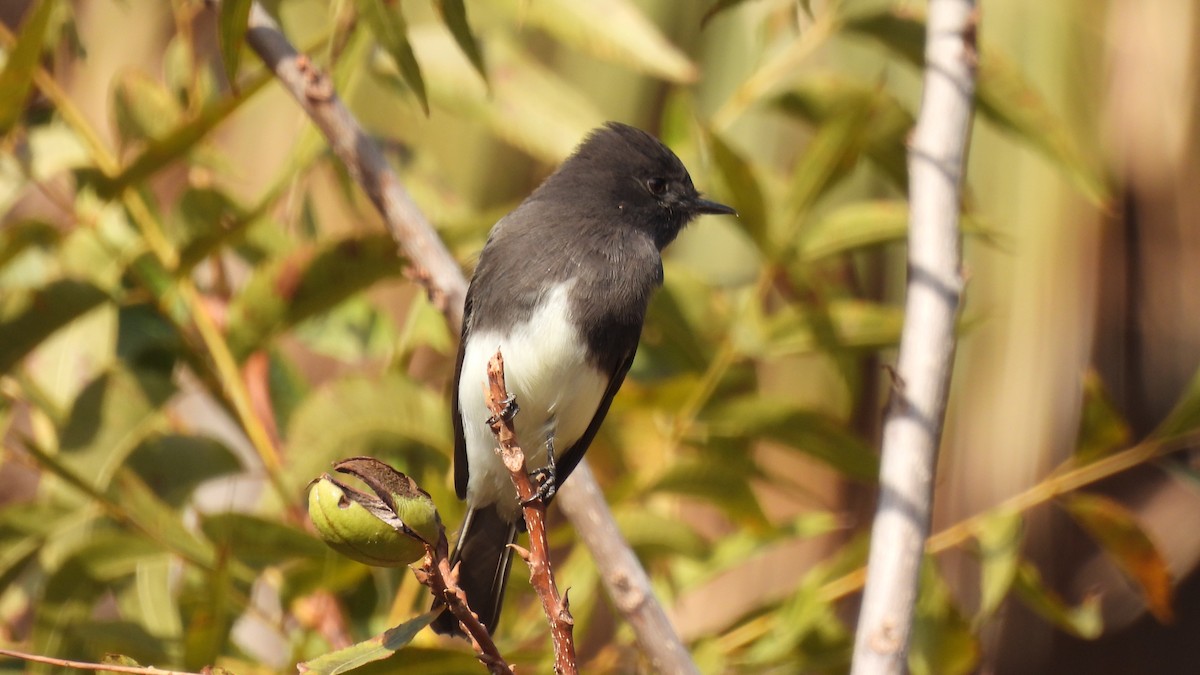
(454,15)
(1083,621)
(17,76)
(232,18)
(387,23)
(613,30)
(999,537)
(1119,534)
(305,283)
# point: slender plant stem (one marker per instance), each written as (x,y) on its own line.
(913,426)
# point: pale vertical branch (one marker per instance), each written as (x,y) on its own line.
(625,579)
(913,427)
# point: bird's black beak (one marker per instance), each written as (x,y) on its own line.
(705,206)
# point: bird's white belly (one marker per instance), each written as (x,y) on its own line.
(557,390)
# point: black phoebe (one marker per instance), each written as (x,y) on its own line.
(561,289)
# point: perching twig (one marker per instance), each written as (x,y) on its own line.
(913,427)
(580,498)
(541,576)
(435,573)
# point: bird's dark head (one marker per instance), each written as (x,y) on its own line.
(630,172)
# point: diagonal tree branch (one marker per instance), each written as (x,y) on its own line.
(580,498)
(913,427)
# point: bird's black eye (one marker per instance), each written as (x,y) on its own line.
(656,186)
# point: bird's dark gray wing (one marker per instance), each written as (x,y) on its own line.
(461,471)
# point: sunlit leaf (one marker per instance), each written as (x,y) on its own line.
(999,538)
(387,23)
(30,318)
(745,192)
(109,419)
(942,641)
(259,542)
(376,649)
(175,145)
(613,30)
(1083,621)
(306,283)
(391,418)
(1102,430)
(160,523)
(870,223)
(651,533)
(174,465)
(143,109)
(806,431)
(232,19)
(883,122)
(1003,95)
(1119,534)
(21,236)
(1185,416)
(716,8)
(17,76)
(707,481)
(529,106)
(454,15)
(849,324)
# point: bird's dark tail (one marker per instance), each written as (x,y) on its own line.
(485,558)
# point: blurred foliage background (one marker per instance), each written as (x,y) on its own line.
(199,311)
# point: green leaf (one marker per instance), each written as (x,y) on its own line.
(809,432)
(834,151)
(1123,539)
(654,534)
(531,107)
(161,524)
(17,76)
(745,193)
(1102,430)
(942,641)
(232,19)
(258,542)
(143,109)
(454,15)
(841,325)
(173,466)
(24,235)
(172,147)
(884,122)
(109,419)
(999,537)
(305,283)
(1183,418)
(870,223)
(391,32)
(716,8)
(29,318)
(1084,621)
(719,485)
(377,648)
(391,418)
(612,30)
(1002,95)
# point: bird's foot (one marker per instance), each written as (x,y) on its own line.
(545,478)
(508,411)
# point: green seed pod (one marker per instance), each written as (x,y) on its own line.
(350,522)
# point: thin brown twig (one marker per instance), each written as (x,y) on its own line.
(435,572)
(541,574)
(87,665)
